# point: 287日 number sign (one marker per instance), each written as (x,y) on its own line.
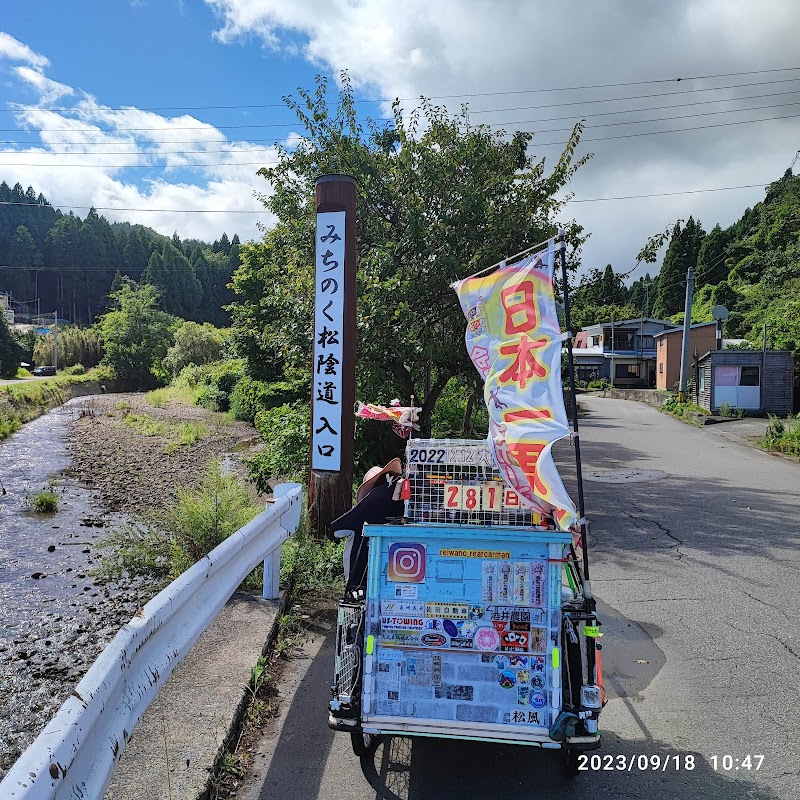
(488,496)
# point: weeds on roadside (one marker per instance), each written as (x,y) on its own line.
(782,436)
(179,434)
(312,565)
(9,422)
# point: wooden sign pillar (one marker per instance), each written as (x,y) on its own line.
(333,367)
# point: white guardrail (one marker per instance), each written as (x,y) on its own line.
(75,755)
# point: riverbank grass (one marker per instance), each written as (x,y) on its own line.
(44,501)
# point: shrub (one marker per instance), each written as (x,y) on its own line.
(135,550)
(203,518)
(285,430)
(75,369)
(251,396)
(213,399)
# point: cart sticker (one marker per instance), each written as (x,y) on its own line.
(407,590)
(487,639)
(448,691)
(514,640)
(450,628)
(521,717)
(398,623)
(501,662)
(461,643)
(400,638)
(505,583)
(538,583)
(450,610)
(500,626)
(434,625)
(592,631)
(499,554)
(475,612)
(538,700)
(415,608)
(511,614)
(523,676)
(437,670)
(538,641)
(489,575)
(518,661)
(537,663)
(467,629)
(507,679)
(406,562)
(433,639)
(522,583)
(537,681)
(523,694)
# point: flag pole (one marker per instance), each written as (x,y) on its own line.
(589,602)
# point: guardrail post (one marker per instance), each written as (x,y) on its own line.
(272,562)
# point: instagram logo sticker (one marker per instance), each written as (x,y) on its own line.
(406,562)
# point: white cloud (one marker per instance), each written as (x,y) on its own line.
(49,90)
(15,50)
(505,48)
(93,155)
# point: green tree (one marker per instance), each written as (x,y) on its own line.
(682,252)
(438,199)
(136,335)
(711,266)
(11,351)
(172,274)
(194,344)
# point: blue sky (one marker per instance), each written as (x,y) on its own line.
(67,68)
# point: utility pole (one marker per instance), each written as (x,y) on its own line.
(333,366)
(612,349)
(687,323)
(55,341)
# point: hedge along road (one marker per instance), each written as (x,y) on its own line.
(692,558)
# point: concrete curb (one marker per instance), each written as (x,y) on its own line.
(184,733)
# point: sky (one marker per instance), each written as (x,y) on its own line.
(161,111)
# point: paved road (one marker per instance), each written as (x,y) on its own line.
(698,574)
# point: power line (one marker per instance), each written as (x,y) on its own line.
(450,96)
(261,163)
(243,211)
(668,194)
(208,126)
(654,133)
(517,122)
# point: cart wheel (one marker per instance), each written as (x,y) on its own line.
(569,763)
(363,743)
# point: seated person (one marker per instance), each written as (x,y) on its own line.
(377,500)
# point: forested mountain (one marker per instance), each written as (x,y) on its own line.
(752,268)
(70,264)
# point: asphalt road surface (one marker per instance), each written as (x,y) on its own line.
(695,559)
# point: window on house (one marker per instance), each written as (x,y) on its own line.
(626,370)
(623,340)
(647,342)
(701,379)
(750,376)
(587,373)
(595,341)
(661,368)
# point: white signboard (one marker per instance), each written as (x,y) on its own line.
(326,421)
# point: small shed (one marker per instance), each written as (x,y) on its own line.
(753,380)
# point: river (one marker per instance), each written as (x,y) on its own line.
(54,618)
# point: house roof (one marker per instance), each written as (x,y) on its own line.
(618,322)
(680,328)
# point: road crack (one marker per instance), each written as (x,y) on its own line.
(666,531)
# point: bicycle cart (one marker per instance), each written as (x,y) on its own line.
(472,625)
